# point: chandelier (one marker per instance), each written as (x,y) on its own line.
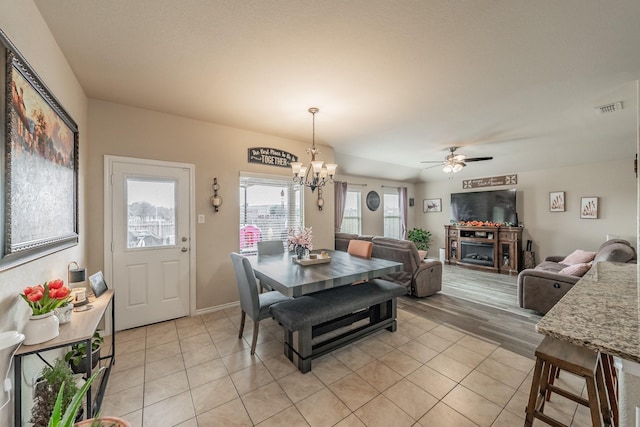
(318,173)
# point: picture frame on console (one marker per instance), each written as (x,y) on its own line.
(589,207)
(432,205)
(556,201)
(38,165)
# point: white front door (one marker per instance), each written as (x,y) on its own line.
(151,245)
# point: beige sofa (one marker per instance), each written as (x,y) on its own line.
(540,288)
(421,278)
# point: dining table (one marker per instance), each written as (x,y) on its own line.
(282,274)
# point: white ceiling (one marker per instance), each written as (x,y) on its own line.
(396,81)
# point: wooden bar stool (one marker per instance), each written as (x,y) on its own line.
(577,360)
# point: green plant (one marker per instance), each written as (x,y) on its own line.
(51,386)
(78,351)
(58,419)
(420,237)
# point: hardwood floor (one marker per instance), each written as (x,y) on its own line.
(483,304)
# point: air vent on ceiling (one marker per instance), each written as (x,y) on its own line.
(609,108)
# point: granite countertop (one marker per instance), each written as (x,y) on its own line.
(600,312)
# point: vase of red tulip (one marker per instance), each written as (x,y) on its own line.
(44,299)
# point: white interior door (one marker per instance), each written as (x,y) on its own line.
(150,241)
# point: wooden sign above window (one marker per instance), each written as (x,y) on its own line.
(271,157)
(491,181)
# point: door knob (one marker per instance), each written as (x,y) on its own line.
(184,249)
(184,239)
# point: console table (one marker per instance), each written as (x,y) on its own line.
(494,249)
(79,330)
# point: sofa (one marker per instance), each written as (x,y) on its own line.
(540,288)
(421,278)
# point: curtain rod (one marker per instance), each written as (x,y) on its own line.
(361,185)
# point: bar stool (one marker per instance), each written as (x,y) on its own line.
(576,360)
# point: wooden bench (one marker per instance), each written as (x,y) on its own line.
(311,316)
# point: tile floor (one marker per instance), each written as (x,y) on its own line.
(196,372)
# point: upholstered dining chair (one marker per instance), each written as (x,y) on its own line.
(270,247)
(254,304)
(361,248)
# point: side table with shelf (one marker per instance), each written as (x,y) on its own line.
(79,330)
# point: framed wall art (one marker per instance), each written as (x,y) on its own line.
(589,207)
(556,201)
(39,165)
(432,205)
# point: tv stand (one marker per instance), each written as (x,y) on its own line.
(493,249)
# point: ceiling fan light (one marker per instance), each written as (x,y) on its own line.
(447,169)
(457,167)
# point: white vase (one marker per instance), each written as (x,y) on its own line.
(64,313)
(41,328)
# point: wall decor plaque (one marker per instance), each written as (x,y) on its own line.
(491,181)
(271,157)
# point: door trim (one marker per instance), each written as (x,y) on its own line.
(109,160)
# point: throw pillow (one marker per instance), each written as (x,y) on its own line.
(578,270)
(578,257)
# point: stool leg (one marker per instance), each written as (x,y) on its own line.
(533,394)
(602,392)
(609,372)
(594,405)
(555,373)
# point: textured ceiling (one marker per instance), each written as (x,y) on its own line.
(396,82)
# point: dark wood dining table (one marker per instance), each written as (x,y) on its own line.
(282,274)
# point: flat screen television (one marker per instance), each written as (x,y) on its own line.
(497,206)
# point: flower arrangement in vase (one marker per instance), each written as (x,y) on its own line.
(43,300)
(300,241)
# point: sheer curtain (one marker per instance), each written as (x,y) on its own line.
(402,191)
(340,192)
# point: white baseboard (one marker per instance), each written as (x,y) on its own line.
(217,308)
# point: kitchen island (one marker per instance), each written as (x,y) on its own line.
(601,312)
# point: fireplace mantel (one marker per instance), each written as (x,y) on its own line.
(494,249)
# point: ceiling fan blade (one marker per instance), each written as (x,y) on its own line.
(477,159)
(432,161)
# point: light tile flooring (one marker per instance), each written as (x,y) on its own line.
(196,372)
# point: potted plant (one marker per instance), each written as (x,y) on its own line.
(77,356)
(67,419)
(46,391)
(421,238)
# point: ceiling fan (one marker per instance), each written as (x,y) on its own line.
(455,162)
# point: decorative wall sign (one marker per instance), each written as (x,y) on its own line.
(589,207)
(271,157)
(491,181)
(556,201)
(39,167)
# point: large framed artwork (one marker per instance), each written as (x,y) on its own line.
(39,165)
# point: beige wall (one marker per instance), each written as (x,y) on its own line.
(22,23)
(216,151)
(555,233)
(373,221)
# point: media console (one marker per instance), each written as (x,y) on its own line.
(494,249)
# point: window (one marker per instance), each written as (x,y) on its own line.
(151,213)
(352,219)
(269,207)
(391,206)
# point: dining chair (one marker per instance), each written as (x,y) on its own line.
(254,304)
(270,247)
(361,248)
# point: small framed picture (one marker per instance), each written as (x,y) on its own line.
(589,207)
(432,205)
(556,201)
(98,285)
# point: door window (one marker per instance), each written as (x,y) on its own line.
(151,212)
